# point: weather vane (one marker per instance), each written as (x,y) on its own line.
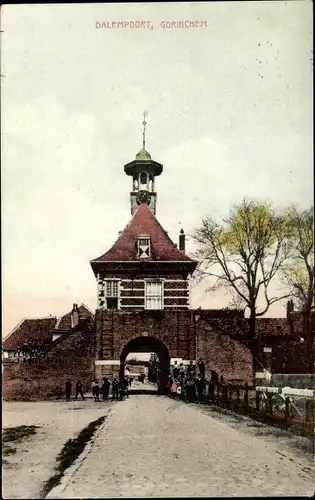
(144,125)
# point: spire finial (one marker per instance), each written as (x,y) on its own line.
(145,113)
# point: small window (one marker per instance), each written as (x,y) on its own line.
(111,288)
(144,247)
(111,294)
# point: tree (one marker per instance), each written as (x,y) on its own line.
(298,273)
(244,254)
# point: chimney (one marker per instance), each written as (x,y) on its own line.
(75,317)
(182,240)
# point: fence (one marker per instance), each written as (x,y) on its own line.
(295,408)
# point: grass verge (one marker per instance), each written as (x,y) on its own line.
(16,435)
(69,453)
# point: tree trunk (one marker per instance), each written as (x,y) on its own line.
(253,340)
(309,339)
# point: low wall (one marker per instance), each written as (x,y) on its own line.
(45,378)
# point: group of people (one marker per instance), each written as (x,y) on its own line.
(119,389)
(78,390)
(188,383)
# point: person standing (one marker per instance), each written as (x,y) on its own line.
(174,389)
(105,389)
(200,385)
(191,390)
(79,390)
(95,390)
(191,369)
(175,371)
(115,388)
(182,373)
(68,390)
(169,384)
(126,382)
(201,368)
(121,389)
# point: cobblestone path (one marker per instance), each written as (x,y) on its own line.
(155,447)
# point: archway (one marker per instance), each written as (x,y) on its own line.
(150,345)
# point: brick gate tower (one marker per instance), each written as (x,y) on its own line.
(142,277)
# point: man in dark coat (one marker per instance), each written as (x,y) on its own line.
(191,370)
(68,390)
(115,388)
(175,371)
(95,390)
(201,368)
(190,390)
(105,389)
(79,390)
(200,386)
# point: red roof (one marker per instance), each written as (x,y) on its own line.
(39,330)
(29,330)
(143,223)
(64,322)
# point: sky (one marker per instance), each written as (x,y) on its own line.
(229,104)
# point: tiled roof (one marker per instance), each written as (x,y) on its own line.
(29,330)
(143,223)
(64,323)
(39,330)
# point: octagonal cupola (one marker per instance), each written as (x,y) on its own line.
(143,171)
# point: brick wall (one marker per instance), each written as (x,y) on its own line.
(223,354)
(71,357)
(177,330)
(114,329)
(218,337)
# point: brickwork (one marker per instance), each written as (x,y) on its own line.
(179,332)
(180,284)
(175,293)
(180,301)
(217,336)
(223,354)
(70,357)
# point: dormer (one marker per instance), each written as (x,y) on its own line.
(143,247)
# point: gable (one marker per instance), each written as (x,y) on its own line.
(144,222)
(36,330)
(64,322)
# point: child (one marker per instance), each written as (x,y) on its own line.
(174,389)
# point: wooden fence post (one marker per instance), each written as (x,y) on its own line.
(309,410)
(246,396)
(211,390)
(237,403)
(269,403)
(287,408)
(257,401)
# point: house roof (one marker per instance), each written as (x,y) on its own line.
(29,330)
(144,223)
(39,330)
(64,322)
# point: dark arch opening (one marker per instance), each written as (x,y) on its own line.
(149,344)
